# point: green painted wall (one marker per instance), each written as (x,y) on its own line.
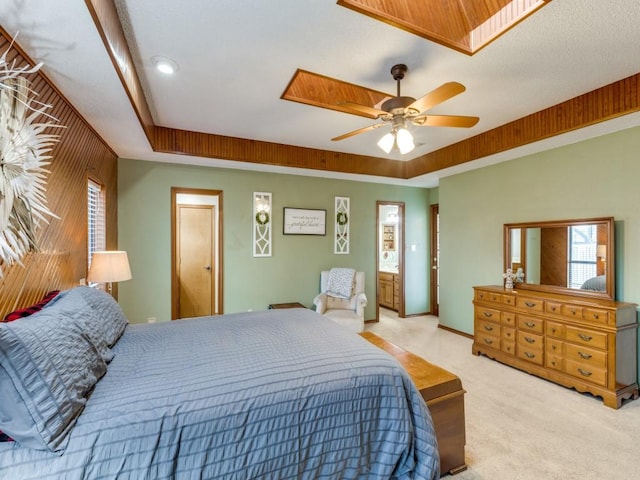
(292,273)
(593,178)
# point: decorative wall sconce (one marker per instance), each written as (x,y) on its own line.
(262,224)
(341,239)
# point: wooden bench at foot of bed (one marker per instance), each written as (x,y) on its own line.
(442,390)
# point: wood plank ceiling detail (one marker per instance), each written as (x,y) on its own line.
(605,103)
(463,25)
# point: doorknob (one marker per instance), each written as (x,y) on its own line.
(208,267)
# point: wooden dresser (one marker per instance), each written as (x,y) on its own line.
(580,342)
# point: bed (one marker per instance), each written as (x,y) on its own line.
(274,394)
(596,284)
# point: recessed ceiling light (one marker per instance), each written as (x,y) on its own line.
(165,65)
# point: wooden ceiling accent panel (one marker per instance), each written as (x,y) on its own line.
(62,259)
(105,16)
(326,92)
(463,25)
(207,145)
(605,103)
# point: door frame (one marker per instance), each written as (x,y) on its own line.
(217,251)
(435,259)
(400,240)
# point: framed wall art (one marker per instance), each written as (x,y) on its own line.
(304,221)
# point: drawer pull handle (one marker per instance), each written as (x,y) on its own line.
(553,347)
(553,309)
(530,304)
(595,316)
(530,355)
(488,314)
(530,324)
(584,337)
(586,356)
(488,328)
(573,312)
(553,330)
(584,373)
(553,363)
(530,340)
(488,341)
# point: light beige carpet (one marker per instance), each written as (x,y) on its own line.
(520,427)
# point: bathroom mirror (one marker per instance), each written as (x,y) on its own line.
(566,256)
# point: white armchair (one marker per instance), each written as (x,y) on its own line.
(348,312)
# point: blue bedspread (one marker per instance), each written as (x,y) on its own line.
(268,395)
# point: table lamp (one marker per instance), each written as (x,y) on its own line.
(108,267)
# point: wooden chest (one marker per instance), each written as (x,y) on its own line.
(443,393)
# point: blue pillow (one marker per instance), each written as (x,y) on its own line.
(48,364)
(107,310)
(72,303)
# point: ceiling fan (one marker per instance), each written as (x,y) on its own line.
(399,110)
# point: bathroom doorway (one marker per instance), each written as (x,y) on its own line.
(390,257)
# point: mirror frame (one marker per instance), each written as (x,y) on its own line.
(609,264)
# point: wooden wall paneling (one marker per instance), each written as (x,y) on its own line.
(208,145)
(554,243)
(605,103)
(62,259)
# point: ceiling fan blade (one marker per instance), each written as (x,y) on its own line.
(435,97)
(363,109)
(358,131)
(445,121)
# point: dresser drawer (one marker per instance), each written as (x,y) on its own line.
(508,300)
(488,328)
(554,347)
(509,334)
(530,340)
(555,362)
(508,347)
(508,318)
(596,315)
(586,372)
(495,297)
(487,340)
(571,311)
(530,323)
(587,356)
(484,313)
(533,355)
(553,307)
(532,304)
(584,336)
(555,329)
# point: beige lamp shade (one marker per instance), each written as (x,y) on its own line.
(107,267)
(601,252)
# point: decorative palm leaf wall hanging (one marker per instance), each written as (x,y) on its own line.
(25,148)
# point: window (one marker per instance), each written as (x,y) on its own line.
(582,254)
(96,219)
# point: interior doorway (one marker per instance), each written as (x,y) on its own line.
(196,256)
(390,257)
(435,260)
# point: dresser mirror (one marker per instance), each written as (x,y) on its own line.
(566,256)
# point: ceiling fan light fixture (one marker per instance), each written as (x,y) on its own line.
(386,142)
(404,139)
